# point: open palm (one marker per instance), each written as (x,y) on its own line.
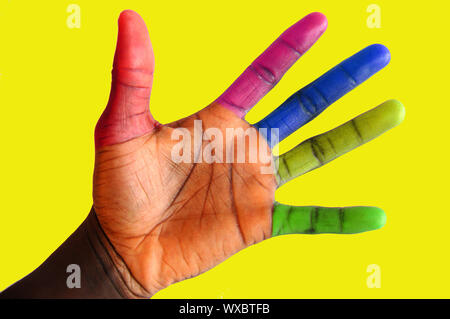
(170,220)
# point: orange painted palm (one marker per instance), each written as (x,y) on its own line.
(173,221)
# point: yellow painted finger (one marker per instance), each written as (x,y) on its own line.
(322,149)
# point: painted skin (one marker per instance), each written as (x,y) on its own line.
(320,150)
(169,221)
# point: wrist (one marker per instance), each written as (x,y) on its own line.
(113,264)
(100,272)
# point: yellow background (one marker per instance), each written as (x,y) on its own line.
(54,83)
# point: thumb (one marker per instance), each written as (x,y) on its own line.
(127,113)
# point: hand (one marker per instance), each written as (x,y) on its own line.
(169,221)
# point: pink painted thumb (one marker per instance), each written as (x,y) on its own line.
(127,114)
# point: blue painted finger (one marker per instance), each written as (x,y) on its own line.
(313,99)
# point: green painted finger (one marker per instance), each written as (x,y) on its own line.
(321,149)
(322,220)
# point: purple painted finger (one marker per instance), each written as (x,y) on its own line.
(265,72)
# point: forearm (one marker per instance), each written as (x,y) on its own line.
(102,274)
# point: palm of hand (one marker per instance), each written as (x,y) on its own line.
(173,221)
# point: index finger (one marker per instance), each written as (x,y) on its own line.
(265,72)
